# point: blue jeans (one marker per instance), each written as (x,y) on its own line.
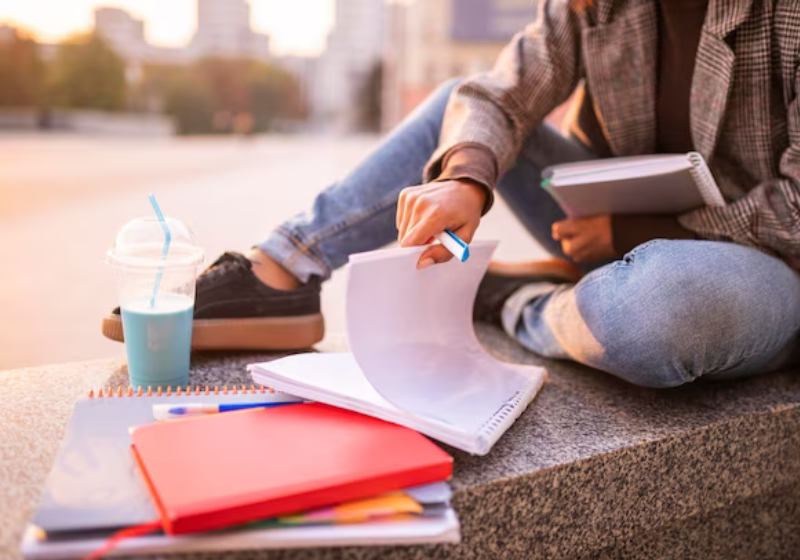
(666,314)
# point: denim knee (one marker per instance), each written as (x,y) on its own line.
(672,311)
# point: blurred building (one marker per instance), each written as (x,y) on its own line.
(429,41)
(127,36)
(304,69)
(223,29)
(7,33)
(353,49)
(123,32)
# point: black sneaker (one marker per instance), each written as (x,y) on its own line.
(234,310)
(503,279)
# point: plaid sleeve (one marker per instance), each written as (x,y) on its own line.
(768,217)
(537,71)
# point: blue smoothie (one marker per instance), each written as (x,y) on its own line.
(158,340)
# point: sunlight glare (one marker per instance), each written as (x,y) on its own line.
(297,27)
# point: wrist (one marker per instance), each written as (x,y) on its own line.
(477,189)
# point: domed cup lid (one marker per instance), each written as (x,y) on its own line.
(140,244)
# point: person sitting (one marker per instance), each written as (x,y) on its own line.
(663,300)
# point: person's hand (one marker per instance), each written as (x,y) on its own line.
(426,210)
(587,239)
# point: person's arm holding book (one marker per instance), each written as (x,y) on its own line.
(493,113)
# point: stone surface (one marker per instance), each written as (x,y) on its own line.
(595,468)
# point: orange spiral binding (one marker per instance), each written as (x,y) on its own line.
(188,391)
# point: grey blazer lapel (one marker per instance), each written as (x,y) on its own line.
(620,63)
(713,72)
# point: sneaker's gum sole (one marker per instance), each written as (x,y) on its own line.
(279,333)
(555,269)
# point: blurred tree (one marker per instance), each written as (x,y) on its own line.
(190,102)
(370,97)
(21,72)
(275,94)
(88,74)
(217,95)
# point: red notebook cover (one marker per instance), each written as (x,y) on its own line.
(236,467)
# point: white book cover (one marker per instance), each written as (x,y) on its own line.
(415,360)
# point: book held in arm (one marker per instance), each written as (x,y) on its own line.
(657,184)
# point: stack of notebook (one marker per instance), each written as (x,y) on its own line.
(296,475)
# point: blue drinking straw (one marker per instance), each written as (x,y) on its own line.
(167,240)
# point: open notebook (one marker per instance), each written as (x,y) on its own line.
(415,358)
(658,184)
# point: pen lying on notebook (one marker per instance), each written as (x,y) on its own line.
(172,410)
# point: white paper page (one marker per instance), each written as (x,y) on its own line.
(330,374)
(411,333)
(337,380)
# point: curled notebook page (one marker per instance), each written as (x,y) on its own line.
(411,334)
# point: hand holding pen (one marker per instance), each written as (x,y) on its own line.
(429,210)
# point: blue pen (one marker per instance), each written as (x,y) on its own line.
(454,244)
(167,411)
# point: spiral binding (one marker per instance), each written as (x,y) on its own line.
(705,180)
(501,416)
(188,391)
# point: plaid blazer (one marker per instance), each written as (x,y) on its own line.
(745,114)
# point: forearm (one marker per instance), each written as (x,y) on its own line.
(536,72)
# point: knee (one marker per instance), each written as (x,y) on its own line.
(652,343)
(662,323)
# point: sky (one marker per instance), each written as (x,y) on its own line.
(296,26)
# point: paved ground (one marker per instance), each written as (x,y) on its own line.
(62,199)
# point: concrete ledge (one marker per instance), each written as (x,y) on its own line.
(594,469)
(88,122)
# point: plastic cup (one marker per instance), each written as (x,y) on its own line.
(158,333)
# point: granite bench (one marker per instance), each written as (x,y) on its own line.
(595,468)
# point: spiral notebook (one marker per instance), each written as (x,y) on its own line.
(658,184)
(415,358)
(94,484)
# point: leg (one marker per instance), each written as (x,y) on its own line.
(668,313)
(358,213)
(520,186)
